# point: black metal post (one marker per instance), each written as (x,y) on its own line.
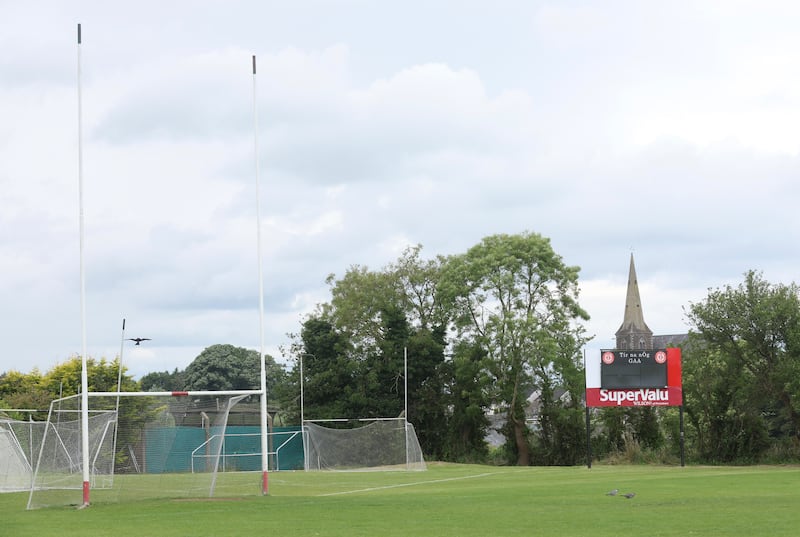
(588,440)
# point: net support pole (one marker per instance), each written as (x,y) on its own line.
(405,402)
(264,417)
(84,374)
(303,417)
(119,389)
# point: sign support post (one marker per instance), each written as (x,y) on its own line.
(588,440)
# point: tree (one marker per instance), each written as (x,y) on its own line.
(721,405)
(559,377)
(327,369)
(225,367)
(25,390)
(358,300)
(102,375)
(416,283)
(515,298)
(36,391)
(427,399)
(745,361)
(163,381)
(467,423)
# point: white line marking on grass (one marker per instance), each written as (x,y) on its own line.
(410,484)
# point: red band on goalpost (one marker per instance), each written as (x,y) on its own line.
(180,394)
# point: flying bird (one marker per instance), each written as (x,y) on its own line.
(613,492)
(138,339)
(630,495)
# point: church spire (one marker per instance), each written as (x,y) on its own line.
(634,332)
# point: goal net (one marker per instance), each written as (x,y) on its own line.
(352,445)
(141,445)
(19,441)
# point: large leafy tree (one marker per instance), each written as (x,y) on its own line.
(516,299)
(226,367)
(25,390)
(35,390)
(722,407)
(468,389)
(354,347)
(102,375)
(560,381)
(744,362)
(327,370)
(159,381)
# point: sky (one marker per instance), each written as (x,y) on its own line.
(666,130)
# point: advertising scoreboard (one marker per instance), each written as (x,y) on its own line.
(642,377)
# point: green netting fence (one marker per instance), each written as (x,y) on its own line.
(241,450)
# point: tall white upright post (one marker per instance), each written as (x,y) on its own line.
(84,375)
(264,418)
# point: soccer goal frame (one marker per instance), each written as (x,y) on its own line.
(374,444)
(59,458)
(20,441)
(314,451)
(15,465)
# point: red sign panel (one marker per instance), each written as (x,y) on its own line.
(671,395)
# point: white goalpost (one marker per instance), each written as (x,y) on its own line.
(363,444)
(17,441)
(80,440)
(140,445)
(20,441)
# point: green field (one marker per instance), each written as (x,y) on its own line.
(453,500)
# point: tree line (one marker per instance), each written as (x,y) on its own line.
(494,338)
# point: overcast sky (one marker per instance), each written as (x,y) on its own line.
(666,129)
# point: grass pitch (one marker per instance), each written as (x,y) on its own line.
(451,500)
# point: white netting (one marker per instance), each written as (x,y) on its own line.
(155,446)
(18,441)
(387,444)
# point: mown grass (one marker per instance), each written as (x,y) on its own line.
(453,500)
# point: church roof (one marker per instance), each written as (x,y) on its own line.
(633,320)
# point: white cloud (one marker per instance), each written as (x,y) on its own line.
(668,129)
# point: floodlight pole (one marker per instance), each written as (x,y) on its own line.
(84,375)
(264,417)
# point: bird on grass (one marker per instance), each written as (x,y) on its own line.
(630,495)
(613,492)
(138,339)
